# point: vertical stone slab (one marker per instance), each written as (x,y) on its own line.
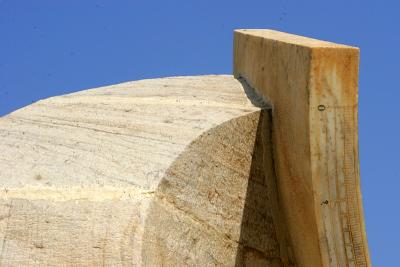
(312,86)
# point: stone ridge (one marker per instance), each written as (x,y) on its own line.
(292,39)
(115,136)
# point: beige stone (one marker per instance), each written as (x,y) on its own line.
(192,171)
(146,173)
(312,87)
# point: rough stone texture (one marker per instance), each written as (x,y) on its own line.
(312,86)
(193,171)
(162,172)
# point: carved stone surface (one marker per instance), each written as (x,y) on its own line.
(312,86)
(162,172)
(259,169)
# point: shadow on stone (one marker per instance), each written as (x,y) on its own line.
(216,204)
(258,243)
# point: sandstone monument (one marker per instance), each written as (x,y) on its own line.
(255,169)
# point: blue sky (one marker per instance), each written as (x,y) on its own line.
(50,48)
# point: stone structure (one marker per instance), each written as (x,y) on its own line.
(255,169)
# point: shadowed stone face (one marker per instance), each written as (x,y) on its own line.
(213,205)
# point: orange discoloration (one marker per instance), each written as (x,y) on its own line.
(312,86)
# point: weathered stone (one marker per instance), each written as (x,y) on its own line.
(312,86)
(260,169)
(148,173)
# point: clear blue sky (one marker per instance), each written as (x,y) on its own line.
(50,48)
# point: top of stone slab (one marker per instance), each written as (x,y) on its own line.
(292,38)
(118,136)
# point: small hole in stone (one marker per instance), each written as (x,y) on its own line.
(321,107)
(326,202)
(38,245)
